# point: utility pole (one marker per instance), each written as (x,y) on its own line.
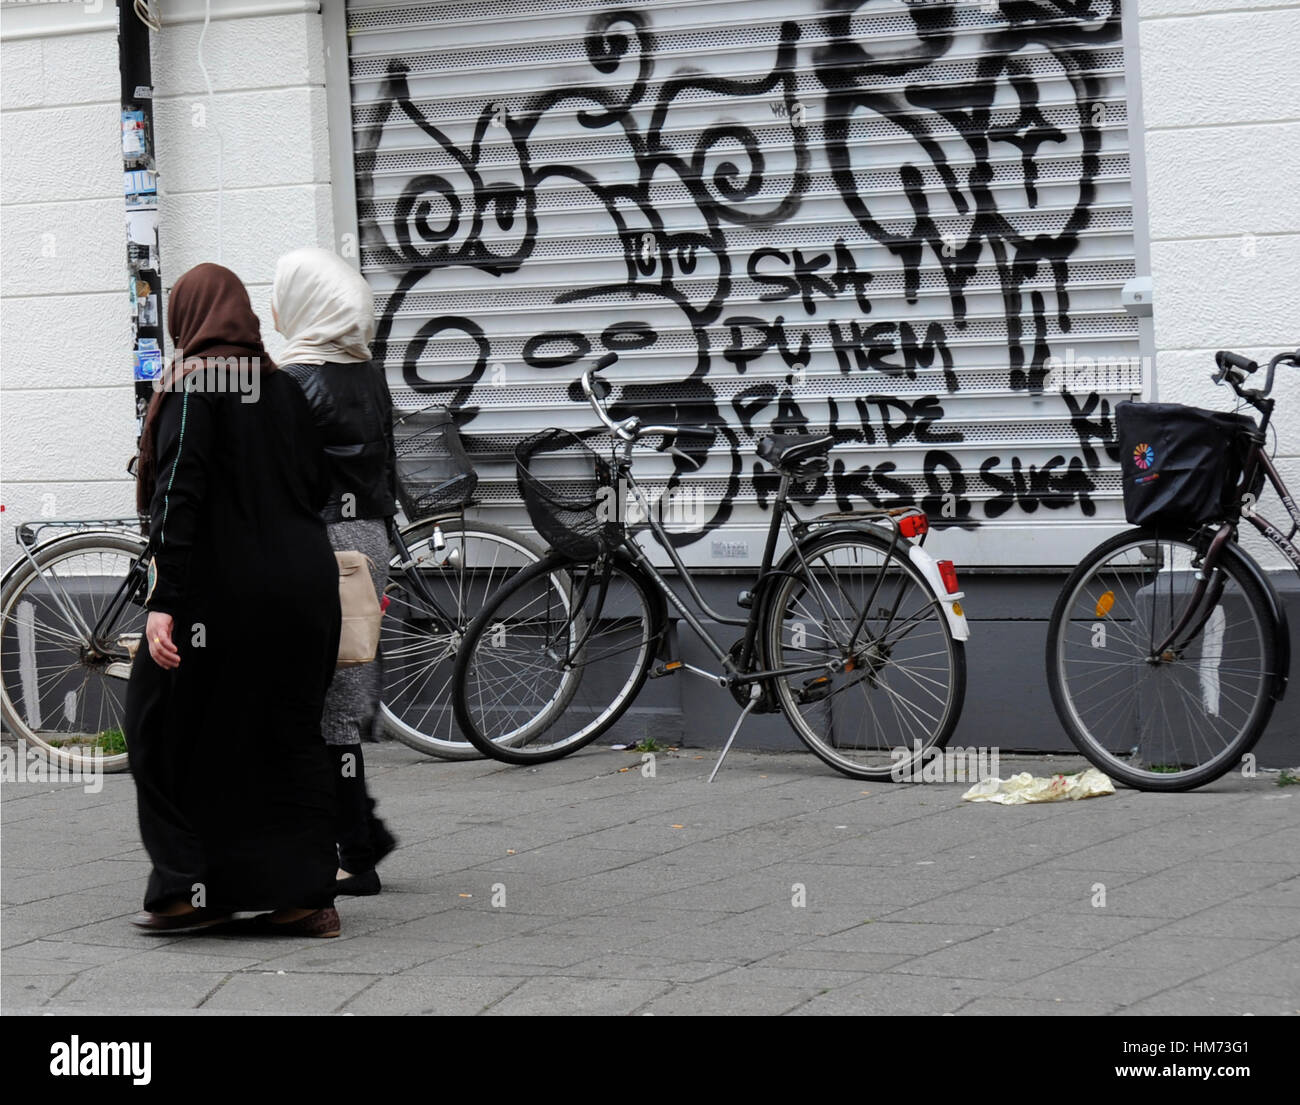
(140,187)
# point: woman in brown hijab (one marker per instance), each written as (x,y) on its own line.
(234,784)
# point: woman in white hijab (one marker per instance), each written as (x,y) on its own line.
(326,311)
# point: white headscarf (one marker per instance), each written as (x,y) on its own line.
(324,307)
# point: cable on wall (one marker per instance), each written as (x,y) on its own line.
(148,13)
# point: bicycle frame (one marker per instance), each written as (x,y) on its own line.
(1285,544)
(406,560)
(97,638)
(1209,582)
(741,670)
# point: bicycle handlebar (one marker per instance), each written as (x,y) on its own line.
(1224,360)
(1234,368)
(597,390)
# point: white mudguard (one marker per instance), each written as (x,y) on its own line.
(927,566)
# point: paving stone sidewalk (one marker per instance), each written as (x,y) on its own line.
(585,887)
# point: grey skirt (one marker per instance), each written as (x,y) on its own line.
(352,703)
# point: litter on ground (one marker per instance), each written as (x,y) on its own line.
(1023,788)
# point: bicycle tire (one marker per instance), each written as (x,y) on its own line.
(1087,608)
(416,697)
(850,710)
(547,592)
(105,681)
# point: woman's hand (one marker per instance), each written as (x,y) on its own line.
(158,632)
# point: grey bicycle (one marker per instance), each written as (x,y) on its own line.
(856,634)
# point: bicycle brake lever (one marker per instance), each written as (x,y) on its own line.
(676,452)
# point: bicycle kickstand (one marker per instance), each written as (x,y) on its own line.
(755,693)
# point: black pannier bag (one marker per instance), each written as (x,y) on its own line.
(1181,466)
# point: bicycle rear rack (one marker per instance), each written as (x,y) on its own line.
(28,533)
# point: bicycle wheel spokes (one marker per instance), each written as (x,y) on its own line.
(553,663)
(1175,719)
(419,638)
(61,690)
(900,689)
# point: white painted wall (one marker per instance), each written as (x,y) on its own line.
(66,410)
(66,413)
(1221,105)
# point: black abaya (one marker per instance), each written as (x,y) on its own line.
(234,783)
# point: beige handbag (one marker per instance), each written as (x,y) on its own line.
(359,635)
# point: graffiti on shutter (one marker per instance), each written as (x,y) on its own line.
(905,223)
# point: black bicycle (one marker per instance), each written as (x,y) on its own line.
(855,633)
(1168,646)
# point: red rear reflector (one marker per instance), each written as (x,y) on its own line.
(949,575)
(914,525)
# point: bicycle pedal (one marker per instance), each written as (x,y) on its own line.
(815,689)
(661,670)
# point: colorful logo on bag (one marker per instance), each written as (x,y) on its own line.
(1144,456)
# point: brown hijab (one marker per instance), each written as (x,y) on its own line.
(208,315)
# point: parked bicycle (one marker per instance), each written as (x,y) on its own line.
(445,565)
(855,633)
(71,616)
(1168,646)
(71,610)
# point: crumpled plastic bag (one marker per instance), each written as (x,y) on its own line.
(1024,787)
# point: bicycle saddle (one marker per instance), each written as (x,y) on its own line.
(789,452)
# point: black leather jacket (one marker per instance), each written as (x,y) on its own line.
(354,414)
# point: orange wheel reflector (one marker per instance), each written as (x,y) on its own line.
(1105,603)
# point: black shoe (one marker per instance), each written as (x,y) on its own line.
(359,886)
(382,842)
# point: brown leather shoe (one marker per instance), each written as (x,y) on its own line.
(191,920)
(323,923)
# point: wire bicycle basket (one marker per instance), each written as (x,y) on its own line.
(575,514)
(434,473)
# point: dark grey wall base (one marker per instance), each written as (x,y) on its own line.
(1007,702)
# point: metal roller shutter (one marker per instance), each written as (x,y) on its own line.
(907,223)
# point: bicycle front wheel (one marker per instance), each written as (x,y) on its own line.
(553,661)
(899,691)
(62,688)
(460,565)
(1172,721)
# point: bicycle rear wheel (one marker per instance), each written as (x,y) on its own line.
(553,660)
(900,694)
(461,564)
(1176,721)
(59,690)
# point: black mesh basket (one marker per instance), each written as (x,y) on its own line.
(434,474)
(575,514)
(1182,466)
